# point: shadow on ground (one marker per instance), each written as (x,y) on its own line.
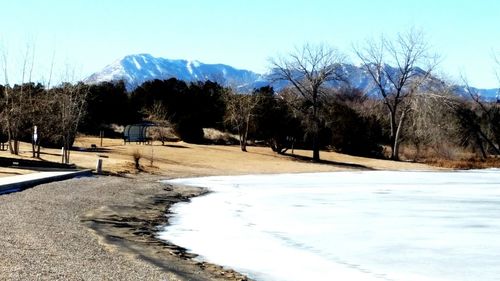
(328,162)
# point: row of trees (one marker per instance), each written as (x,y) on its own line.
(412,106)
(31,113)
(277,119)
(349,120)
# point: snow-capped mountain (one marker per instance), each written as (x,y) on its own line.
(137,69)
(486,94)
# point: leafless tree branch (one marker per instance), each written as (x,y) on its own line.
(308,69)
(408,52)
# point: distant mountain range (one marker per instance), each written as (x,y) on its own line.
(137,69)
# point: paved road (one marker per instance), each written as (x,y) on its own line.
(20,182)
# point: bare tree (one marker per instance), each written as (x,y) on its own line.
(158,114)
(11,117)
(432,123)
(70,109)
(487,127)
(31,112)
(9,108)
(308,69)
(16,102)
(44,111)
(412,67)
(240,109)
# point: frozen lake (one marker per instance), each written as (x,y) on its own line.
(373,225)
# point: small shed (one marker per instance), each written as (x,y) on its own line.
(137,133)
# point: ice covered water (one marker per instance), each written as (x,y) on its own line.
(373,225)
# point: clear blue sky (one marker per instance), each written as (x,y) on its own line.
(86,35)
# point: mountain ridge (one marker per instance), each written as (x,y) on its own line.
(139,68)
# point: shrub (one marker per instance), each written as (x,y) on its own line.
(136,155)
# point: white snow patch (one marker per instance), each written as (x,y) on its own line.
(346,225)
(160,69)
(137,64)
(189,68)
(195,63)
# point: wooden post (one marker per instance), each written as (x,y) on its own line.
(152,154)
(98,166)
(101,134)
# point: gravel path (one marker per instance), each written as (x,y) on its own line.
(43,237)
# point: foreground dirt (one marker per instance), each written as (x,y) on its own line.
(133,230)
(99,228)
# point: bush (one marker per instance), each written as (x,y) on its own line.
(217,137)
(189,131)
(136,156)
(352,133)
(465,164)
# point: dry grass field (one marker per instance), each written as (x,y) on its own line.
(179,159)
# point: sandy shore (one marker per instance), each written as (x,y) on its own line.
(99,228)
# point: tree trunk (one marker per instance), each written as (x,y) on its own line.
(246,131)
(316,125)
(11,146)
(243,146)
(66,155)
(394,138)
(395,151)
(488,140)
(16,147)
(244,135)
(481,146)
(9,138)
(243,141)
(315,144)
(38,149)
(65,152)
(316,157)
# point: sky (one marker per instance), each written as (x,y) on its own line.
(80,37)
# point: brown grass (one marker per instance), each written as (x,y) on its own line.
(448,156)
(466,164)
(178,159)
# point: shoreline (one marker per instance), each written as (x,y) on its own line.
(203,191)
(133,230)
(97,228)
(105,227)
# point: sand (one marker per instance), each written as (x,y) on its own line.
(98,228)
(103,227)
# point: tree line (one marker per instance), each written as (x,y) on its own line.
(411,107)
